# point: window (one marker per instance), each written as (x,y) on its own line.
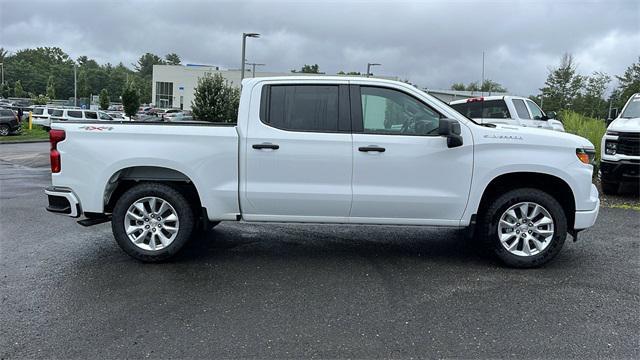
(388,111)
(303,107)
(50,111)
(91,115)
(521,109)
(7,113)
(535,110)
(164,94)
(488,109)
(105,116)
(57,112)
(38,111)
(75,114)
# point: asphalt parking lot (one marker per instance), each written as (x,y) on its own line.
(246,290)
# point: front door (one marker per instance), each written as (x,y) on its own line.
(298,154)
(403,171)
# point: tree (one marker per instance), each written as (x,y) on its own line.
(4,90)
(492,86)
(473,86)
(591,102)
(51,89)
(172,59)
(17,89)
(629,83)
(215,99)
(458,87)
(562,85)
(348,73)
(309,69)
(83,85)
(130,99)
(40,100)
(144,67)
(104,99)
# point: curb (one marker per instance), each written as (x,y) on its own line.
(23,142)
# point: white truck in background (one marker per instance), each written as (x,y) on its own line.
(508,110)
(343,150)
(620,149)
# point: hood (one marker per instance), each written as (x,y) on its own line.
(532,136)
(625,125)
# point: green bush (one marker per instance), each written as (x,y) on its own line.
(590,128)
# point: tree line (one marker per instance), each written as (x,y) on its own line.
(48,72)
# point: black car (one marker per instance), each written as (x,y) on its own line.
(9,123)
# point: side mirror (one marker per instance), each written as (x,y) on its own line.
(613,114)
(450,129)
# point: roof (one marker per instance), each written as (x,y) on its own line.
(486,98)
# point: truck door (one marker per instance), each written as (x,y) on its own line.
(536,115)
(403,171)
(524,115)
(298,154)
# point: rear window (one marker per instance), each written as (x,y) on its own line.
(38,111)
(6,113)
(488,109)
(303,107)
(75,114)
(91,115)
(50,111)
(56,112)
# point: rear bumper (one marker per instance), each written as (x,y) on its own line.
(586,218)
(620,171)
(63,201)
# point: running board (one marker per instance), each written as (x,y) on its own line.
(95,221)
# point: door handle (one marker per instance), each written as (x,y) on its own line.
(371,148)
(266,146)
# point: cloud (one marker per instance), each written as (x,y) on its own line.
(430,43)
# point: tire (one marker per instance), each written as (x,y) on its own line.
(169,234)
(532,246)
(4,130)
(609,188)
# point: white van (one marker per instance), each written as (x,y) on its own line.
(79,114)
(511,110)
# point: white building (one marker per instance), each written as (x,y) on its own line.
(173,86)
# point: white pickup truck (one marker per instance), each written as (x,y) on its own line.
(320,150)
(508,110)
(620,150)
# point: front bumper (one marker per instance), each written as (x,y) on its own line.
(620,171)
(586,218)
(63,201)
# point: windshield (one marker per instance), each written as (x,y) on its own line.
(633,108)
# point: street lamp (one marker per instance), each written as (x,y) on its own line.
(2,66)
(244,45)
(75,85)
(253,68)
(369,65)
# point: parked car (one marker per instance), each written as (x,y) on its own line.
(318,149)
(9,122)
(510,110)
(79,115)
(620,149)
(41,116)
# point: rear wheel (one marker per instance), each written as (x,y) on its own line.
(4,130)
(609,188)
(525,227)
(152,222)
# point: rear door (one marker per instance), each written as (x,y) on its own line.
(298,155)
(403,171)
(524,115)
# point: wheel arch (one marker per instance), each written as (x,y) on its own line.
(555,186)
(125,178)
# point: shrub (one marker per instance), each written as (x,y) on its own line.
(215,100)
(590,128)
(131,99)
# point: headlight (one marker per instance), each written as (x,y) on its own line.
(610,147)
(586,156)
(613,133)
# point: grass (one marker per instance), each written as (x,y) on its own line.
(590,128)
(37,132)
(626,206)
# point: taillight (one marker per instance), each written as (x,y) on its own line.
(55,136)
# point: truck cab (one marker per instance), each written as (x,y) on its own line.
(510,110)
(620,149)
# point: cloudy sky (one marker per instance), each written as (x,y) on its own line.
(431,43)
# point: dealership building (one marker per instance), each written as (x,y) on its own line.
(174,85)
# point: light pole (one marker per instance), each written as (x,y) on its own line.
(244,46)
(2,66)
(75,85)
(253,68)
(369,65)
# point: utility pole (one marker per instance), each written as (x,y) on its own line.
(369,65)
(253,68)
(75,85)
(2,66)
(482,83)
(244,47)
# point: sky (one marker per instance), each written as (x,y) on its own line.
(430,43)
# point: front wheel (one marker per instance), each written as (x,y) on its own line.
(4,130)
(152,222)
(525,227)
